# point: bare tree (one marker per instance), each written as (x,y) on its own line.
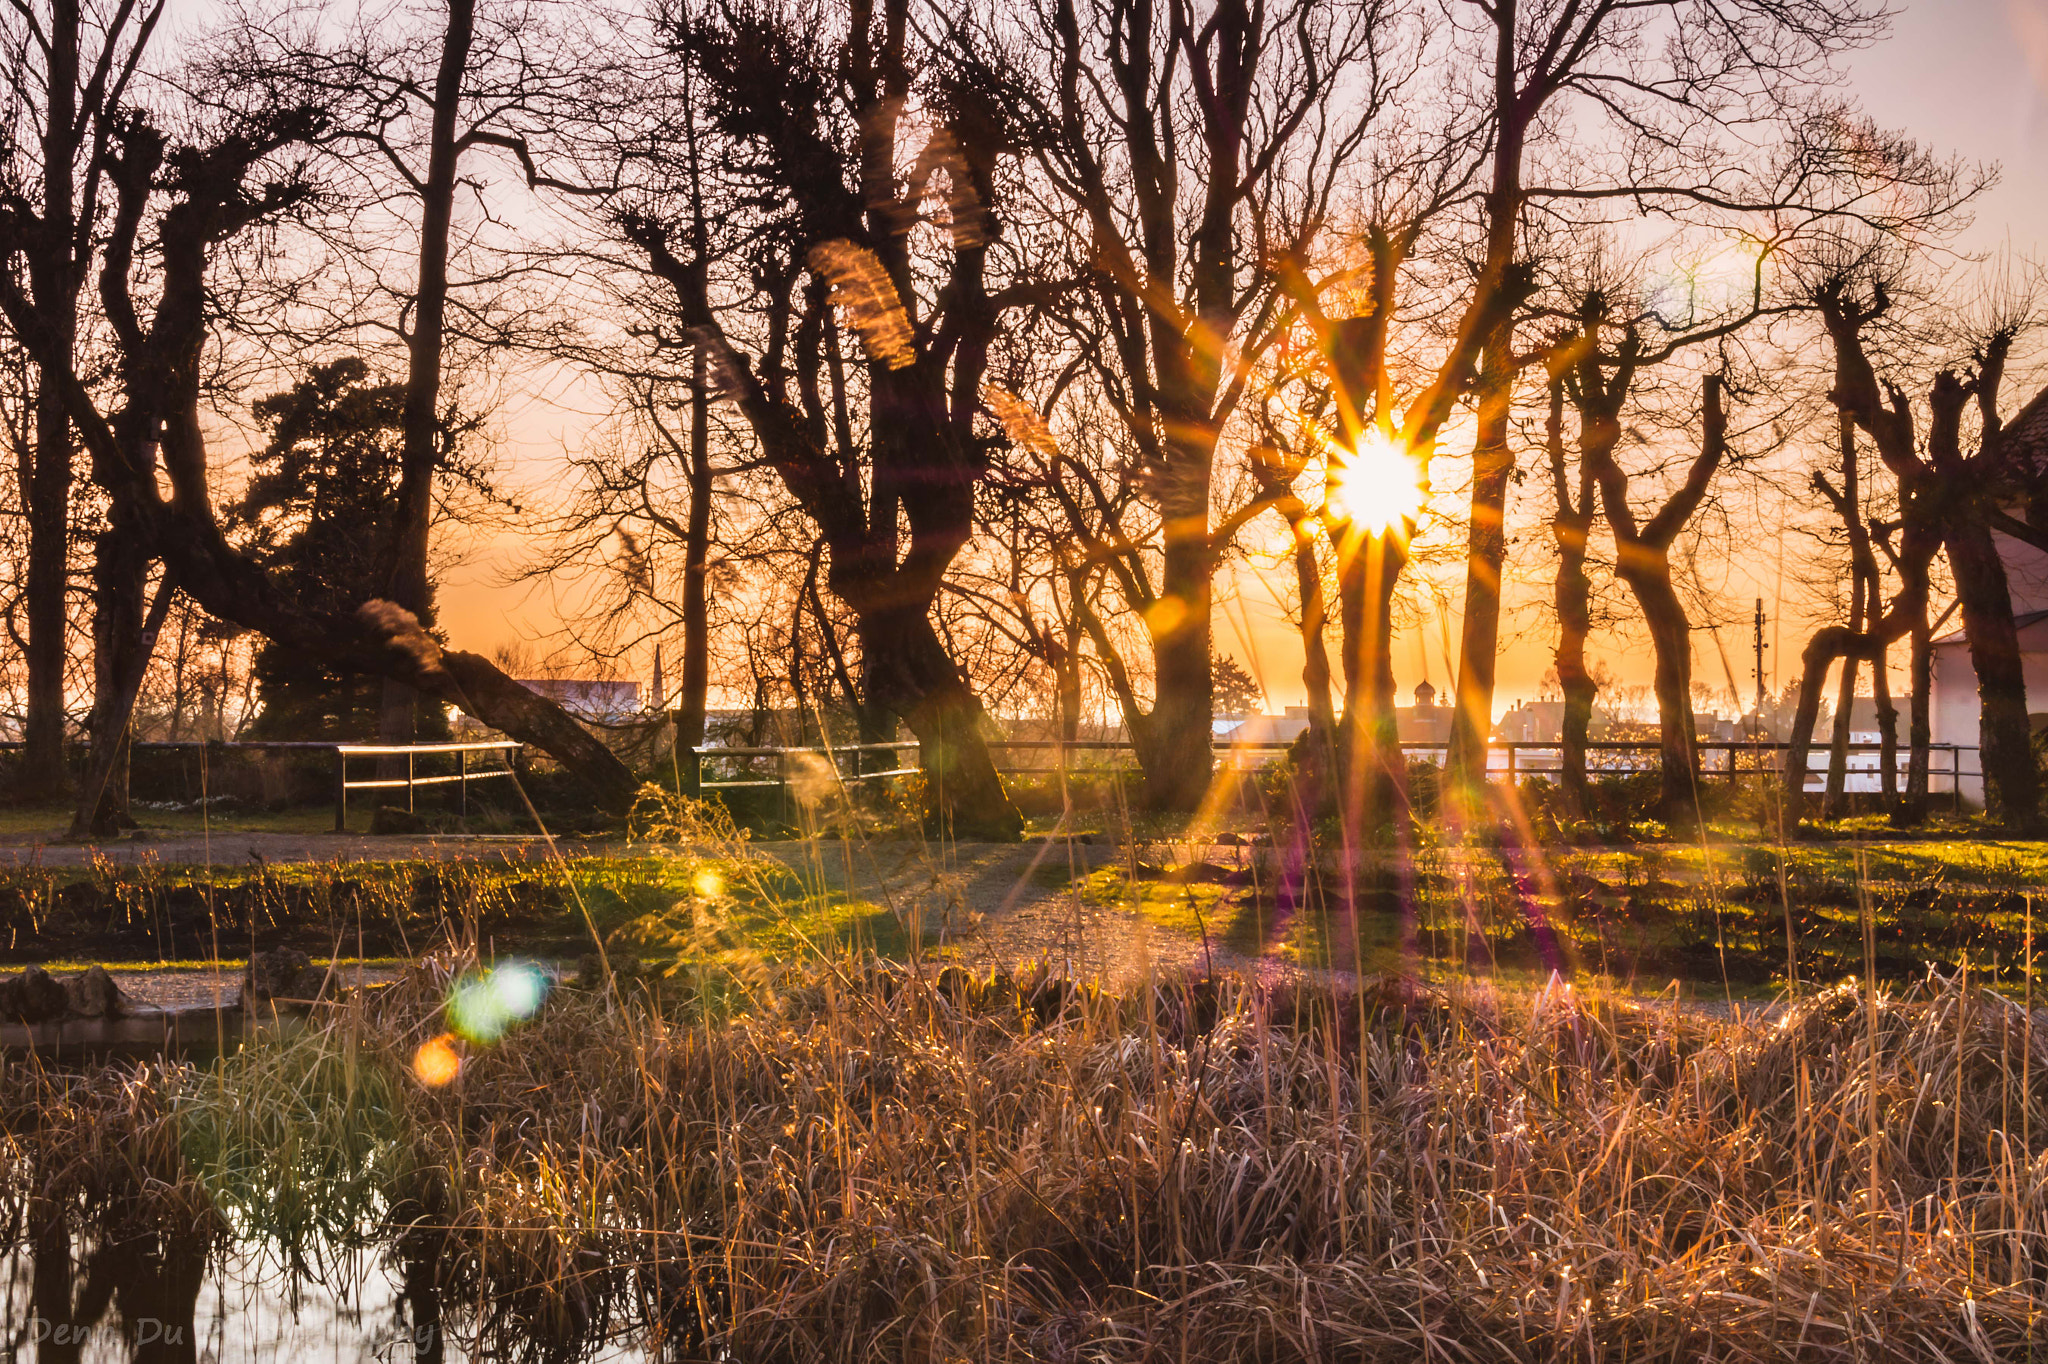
(835,255)
(187,203)
(69,66)
(1948,499)
(1193,144)
(1648,105)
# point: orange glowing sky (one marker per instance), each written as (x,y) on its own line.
(1965,76)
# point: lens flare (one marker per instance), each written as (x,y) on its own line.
(708,883)
(1376,485)
(1165,615)
(437,1063)
(484,1006)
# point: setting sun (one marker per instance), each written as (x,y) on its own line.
(1376,485)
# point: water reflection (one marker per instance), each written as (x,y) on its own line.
(150,1300)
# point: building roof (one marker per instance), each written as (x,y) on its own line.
(2023,621)
(1267,729)
(2025,437)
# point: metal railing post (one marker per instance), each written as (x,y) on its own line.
(408,783)
(463,785)
(340,791)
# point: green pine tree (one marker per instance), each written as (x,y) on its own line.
(314,514)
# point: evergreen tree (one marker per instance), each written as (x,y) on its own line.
(324,486)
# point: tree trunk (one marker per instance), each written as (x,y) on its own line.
(1493,465)
(695,686)
(1671,638)
(1827,645)
(1887,729)
(420,419)
(44,772)
(1374,784)
(2005,736)
(46,485)
(121,648)
(1067,674)
(1177,759)
(1919,727)
(1315,650)
(1838,739)
(1573,596)
(906,670)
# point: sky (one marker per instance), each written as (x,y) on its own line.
(1962,76)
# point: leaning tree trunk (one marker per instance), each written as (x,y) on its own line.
(120,657)
(2005,735)
(1827,645)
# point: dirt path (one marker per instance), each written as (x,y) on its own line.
(229,848)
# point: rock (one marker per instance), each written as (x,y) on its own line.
(32,997)
(389,819)
(95,995)
(278,974)
(1228,840)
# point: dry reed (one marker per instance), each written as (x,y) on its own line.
(862,1161)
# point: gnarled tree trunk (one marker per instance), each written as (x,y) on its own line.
(2005,735)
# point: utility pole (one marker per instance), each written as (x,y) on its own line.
(1757,725)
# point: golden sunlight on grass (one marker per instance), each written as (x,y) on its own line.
(1376,485)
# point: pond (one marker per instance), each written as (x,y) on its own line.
(144,1305)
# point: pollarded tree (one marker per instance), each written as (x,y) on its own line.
(1956,486)
(861,322)
(1654,106)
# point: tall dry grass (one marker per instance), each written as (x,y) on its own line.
(855,1160)
(867,1163)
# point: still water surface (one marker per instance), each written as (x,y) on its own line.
(240,1315)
